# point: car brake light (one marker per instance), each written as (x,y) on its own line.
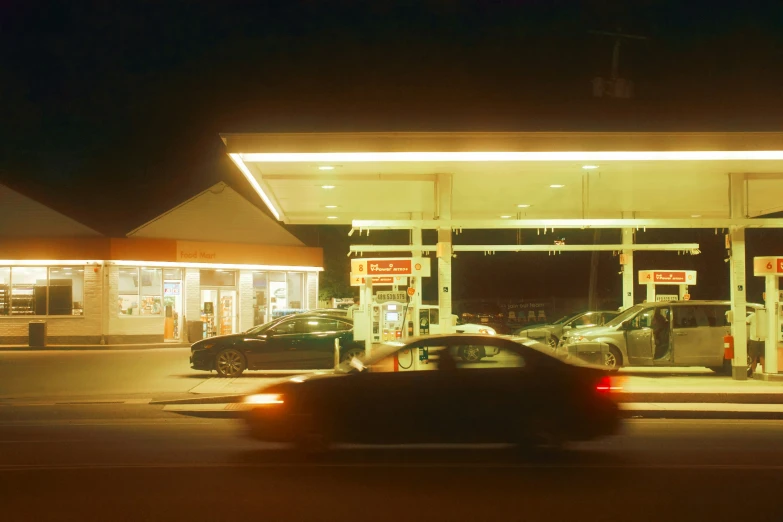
(606,385)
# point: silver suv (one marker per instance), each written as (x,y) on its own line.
(678,333)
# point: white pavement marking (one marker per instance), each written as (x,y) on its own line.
(701,406)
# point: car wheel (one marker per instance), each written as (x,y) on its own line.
(351,353)
(552,341)
(613,359)
(230,363)
(472,353)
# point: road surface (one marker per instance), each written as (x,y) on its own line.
(137,462)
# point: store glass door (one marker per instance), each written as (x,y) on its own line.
(172,303)
(228,312)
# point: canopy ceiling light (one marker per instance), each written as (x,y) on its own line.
(576,156)
(689,248)
(487,224)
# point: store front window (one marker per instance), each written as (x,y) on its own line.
(140,291)
(5,290)
(286,293)
(28,290)
(66,291)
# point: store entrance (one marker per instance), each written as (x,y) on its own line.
(219,311)
(172,304)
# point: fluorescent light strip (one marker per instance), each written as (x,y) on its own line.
(331,157)
(49,262)
(237,159)
(234,266)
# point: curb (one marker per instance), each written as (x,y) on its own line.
(701,397)
(697,415)
(212,399)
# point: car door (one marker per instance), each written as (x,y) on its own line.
(698,334)
(488,401)
(639,338)
(275,348)
(380,405)
(316,343)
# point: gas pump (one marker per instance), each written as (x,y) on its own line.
(682,279)
(771,268)
(389,321)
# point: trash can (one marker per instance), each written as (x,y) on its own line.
(37,334)
(195,331)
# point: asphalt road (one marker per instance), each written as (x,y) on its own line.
(137,462)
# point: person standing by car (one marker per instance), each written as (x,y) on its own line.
(660,327)
(355,306)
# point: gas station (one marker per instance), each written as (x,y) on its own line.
(450,182)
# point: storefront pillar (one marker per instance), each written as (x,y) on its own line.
(739,326)
(627,265)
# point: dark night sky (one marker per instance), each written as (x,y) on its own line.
(111,111)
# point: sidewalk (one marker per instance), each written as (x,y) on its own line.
(60,347)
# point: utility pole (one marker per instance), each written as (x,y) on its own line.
(614,86)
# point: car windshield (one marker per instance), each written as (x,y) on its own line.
(625,315)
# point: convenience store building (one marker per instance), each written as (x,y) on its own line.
(214,265)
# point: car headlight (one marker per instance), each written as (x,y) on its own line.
(264,399)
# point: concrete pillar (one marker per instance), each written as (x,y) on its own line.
(628,272)
(444,280)
(366,304)
(443,200)
(650,293)
(771,342)
(416,283)
(739,328)
(681,291)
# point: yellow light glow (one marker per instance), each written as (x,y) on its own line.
(177,264)
(556,185)
(330,206)
(523,206)
(575,156)
(589,167)
(237,159)
(505,217)
(48,262)
(331,217)
(264,398)
(327,187)
(325,167)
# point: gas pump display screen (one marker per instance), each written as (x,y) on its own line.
(392,316)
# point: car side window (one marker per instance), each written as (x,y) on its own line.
(316,325)
(486,355)
(646,318)
(342,326)
(284,328)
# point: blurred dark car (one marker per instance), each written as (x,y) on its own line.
(420,392)
(303,341)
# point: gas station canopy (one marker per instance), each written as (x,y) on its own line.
(339,178)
